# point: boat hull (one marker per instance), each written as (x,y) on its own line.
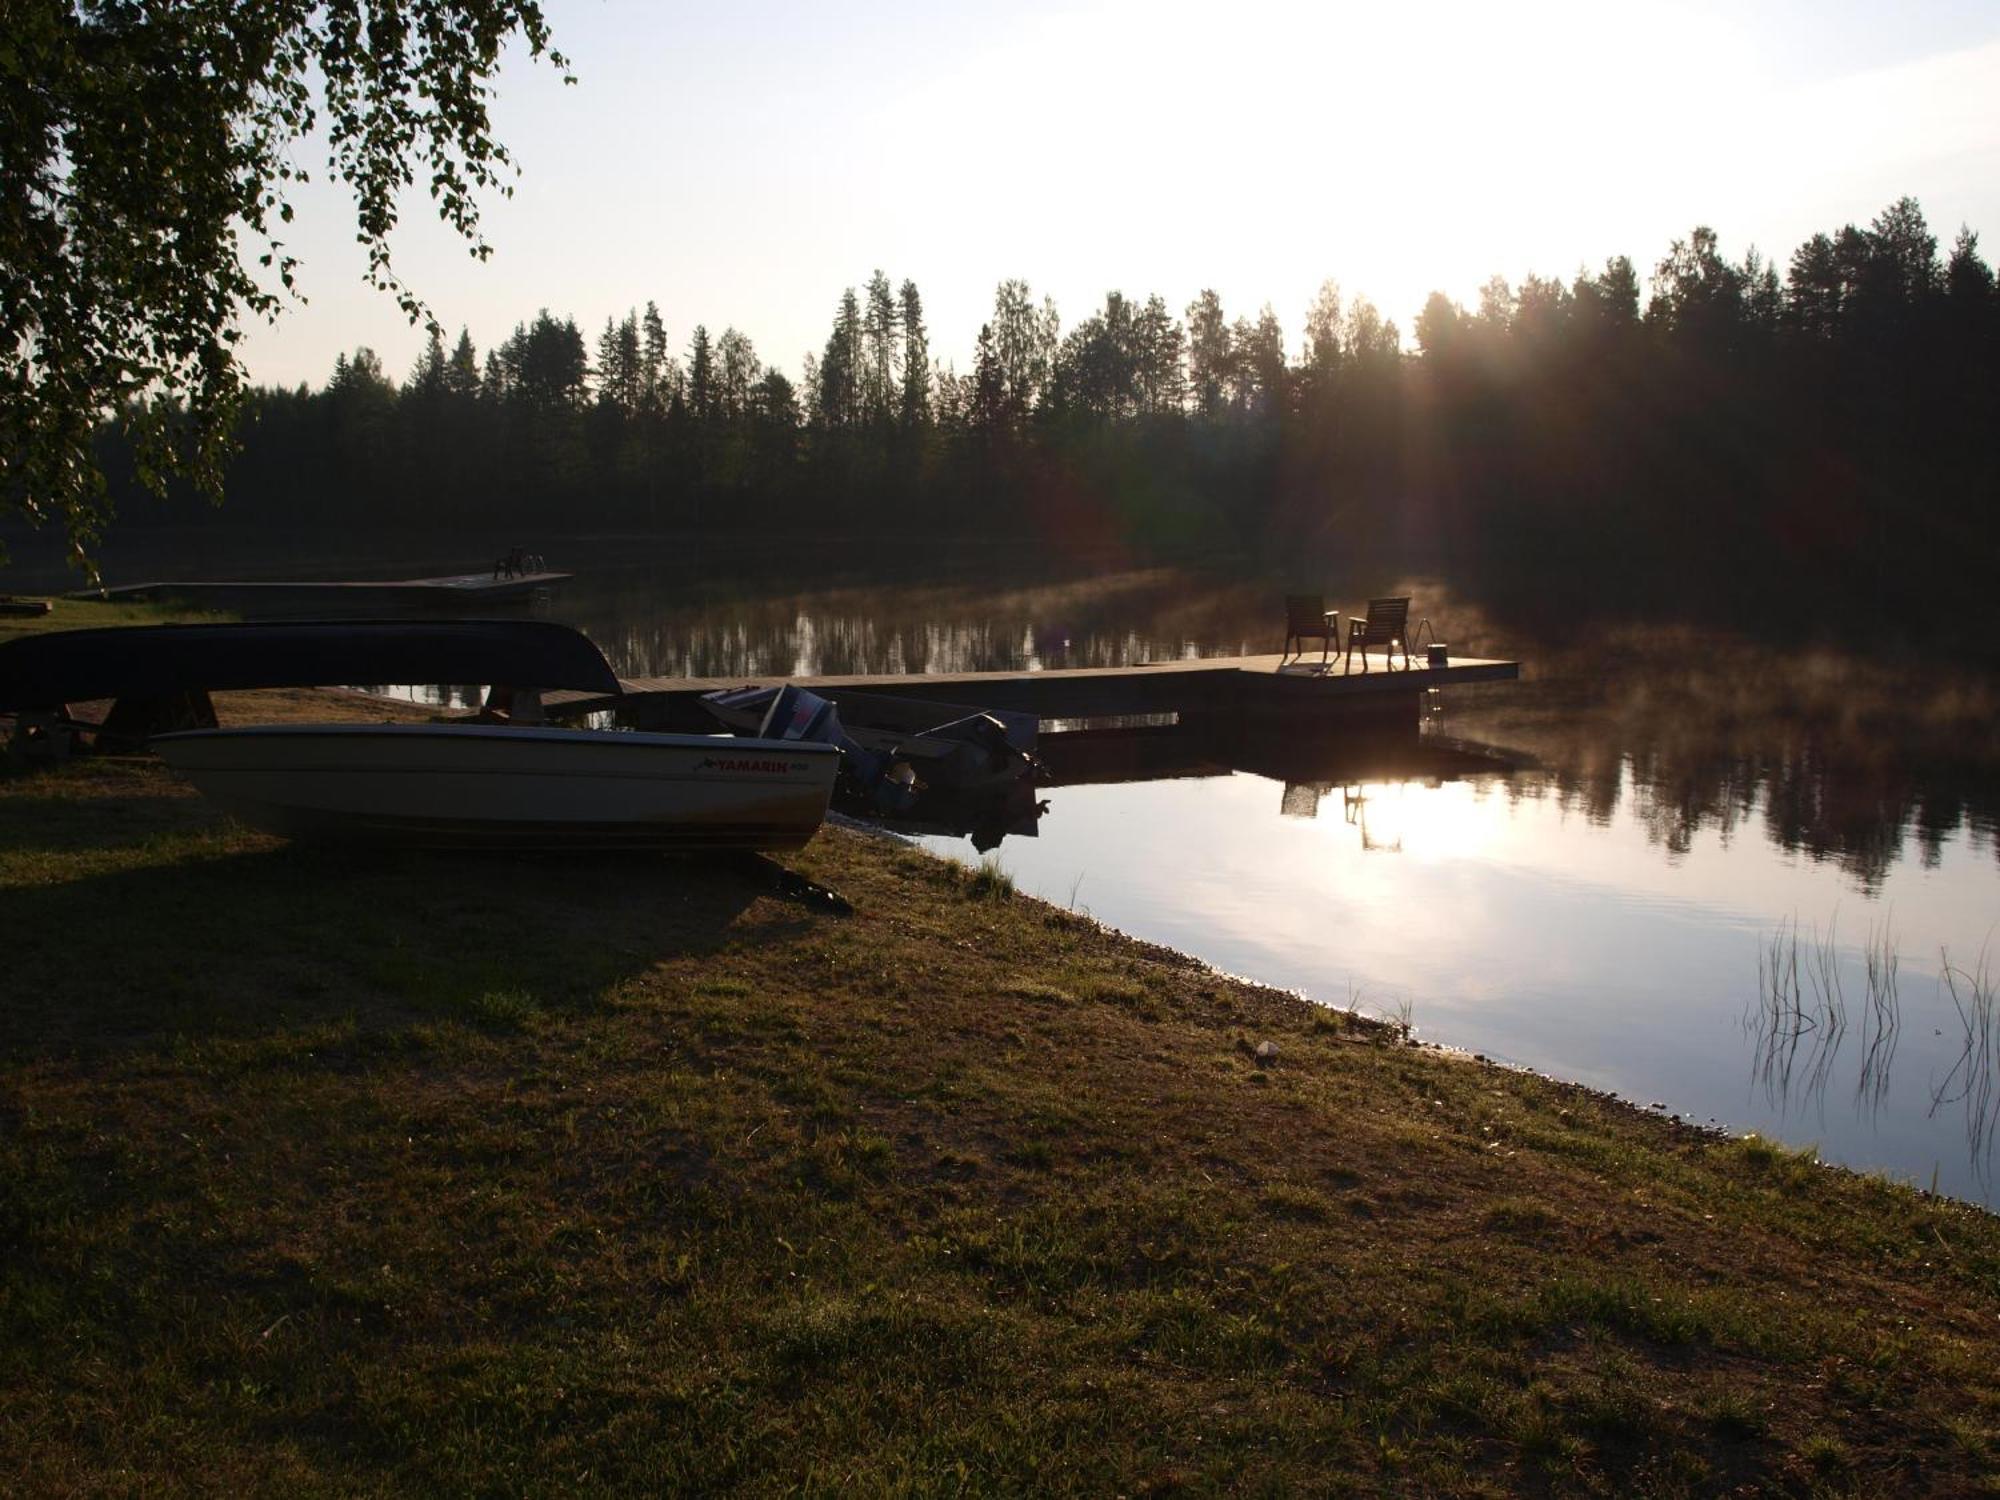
(494,786)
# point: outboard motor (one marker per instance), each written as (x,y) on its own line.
(795,714)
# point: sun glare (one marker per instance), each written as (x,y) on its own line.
(1430,823)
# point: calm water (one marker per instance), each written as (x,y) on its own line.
(1583,874)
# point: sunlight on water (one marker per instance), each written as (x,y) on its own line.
(1512,922)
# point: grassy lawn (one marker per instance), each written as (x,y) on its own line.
(342,1172)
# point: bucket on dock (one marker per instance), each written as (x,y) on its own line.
(1438,654)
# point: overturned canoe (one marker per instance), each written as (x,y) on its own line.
(159,661)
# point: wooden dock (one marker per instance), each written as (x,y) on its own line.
(339,597)
(1245,688)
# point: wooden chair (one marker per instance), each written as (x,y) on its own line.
(1305,618)
(1387,624)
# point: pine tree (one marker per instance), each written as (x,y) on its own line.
(837,398)
(655,364)
(701,391)
(988,403)
(1160,349)
(461,372)
(882,356)
(427,374)
(916,402)
(1968,280)
(620,372)
(1814,288)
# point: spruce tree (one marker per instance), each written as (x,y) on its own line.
(916,402)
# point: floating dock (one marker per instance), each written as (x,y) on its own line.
(458,591)
(1240,688)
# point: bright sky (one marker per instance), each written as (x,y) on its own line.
(742,164)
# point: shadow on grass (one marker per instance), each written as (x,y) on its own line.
(37,825)
(219,941)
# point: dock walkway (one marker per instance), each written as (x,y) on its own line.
(1242,686)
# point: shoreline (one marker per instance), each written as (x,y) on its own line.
(418,1172)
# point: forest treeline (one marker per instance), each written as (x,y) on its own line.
(1719,439)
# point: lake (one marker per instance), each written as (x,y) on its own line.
(1750,886)
(1659,866)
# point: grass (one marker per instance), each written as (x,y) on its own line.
(84,614)
(989,881)
(408,1173)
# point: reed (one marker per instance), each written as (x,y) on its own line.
(1881,1020)
(1975,997)
(1801,1016)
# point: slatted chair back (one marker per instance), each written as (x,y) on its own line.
(1387,624)
(1305,614)
(1305,619)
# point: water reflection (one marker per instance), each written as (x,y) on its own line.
(982,819)
(1368,772)
(1827,757)
(1858,796)
(1581,873)
(654,626)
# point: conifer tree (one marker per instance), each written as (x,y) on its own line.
(655,363)
(461,371)
(882,355)
(839,395)
(701,386)
(1159,348)
(620,366)
(916,395)
(427,374)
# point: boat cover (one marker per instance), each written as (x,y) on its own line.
(157,661)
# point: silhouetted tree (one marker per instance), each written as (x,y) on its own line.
(882,354)
(1811,449)
(1210,366)
(915,407)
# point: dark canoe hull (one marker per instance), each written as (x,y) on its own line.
(498,787)
(160,661)
(259,600)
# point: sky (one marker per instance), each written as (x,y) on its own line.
(743,164)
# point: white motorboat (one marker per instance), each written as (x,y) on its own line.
(504,786)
